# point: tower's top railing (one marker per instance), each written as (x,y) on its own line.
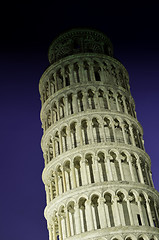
(78,41)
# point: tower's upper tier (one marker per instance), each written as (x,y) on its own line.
(79,41)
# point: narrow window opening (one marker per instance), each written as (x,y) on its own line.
(139,219)
(97,76)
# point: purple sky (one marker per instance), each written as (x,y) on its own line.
(25,38)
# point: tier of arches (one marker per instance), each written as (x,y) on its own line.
(106,210)
(129,237)
(86,99)
(94,168)
(84,70)
(92,130)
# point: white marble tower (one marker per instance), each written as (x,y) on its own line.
(97,174)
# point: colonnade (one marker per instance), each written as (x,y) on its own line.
(89,131)
(82,171)
(84,70)
(97,175)
(101,211)
(84,100)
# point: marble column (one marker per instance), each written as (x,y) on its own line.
(89,216)
(102,214)
(78,227)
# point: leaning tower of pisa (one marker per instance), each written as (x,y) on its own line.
(97,174)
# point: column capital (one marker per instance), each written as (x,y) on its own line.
(76,205)
(101,200)
(88,202)
(115,198)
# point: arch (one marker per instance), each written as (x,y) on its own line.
(134,159)
(68,159)
(125,158)
(124,81)
(95,211)
(83,196)
(115,151)
(118,237)
(80,101)
(97,116)
(97,70)
(67,172)
(50,149)
(137,137)
(144,209)
(113,70)
(64,139)
(102,238)
(91,152)
(60,208)
(108,130)
(123,208)
(77,167)
(130,237)
(134,205)
(62,219)
(102,167)
(92,88)
(70,103)
(82,208)
(135,193)
(102,99)
(59,78)
(49,120)
(127,132)
(133,108)
(47,89)
(60,179)
(112,101)
(74,120)
(71,217)
(129,107)
(57,144)
(123,191)
(61,108)
(50,188)
(154,212)
(109,191)
(52,85)
(120,102)
(115,167)
(76,72)
(54,113)
(153,238)
(144,170)
(67,75)
(89,167)
(109,209)
(73,132)
(84,128)
(91,101)
(118,131)
(87,70)
(126,153)
(143,237)
(96,130)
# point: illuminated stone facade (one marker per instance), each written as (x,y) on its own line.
(97,174)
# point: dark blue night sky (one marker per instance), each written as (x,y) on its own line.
(26,34)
